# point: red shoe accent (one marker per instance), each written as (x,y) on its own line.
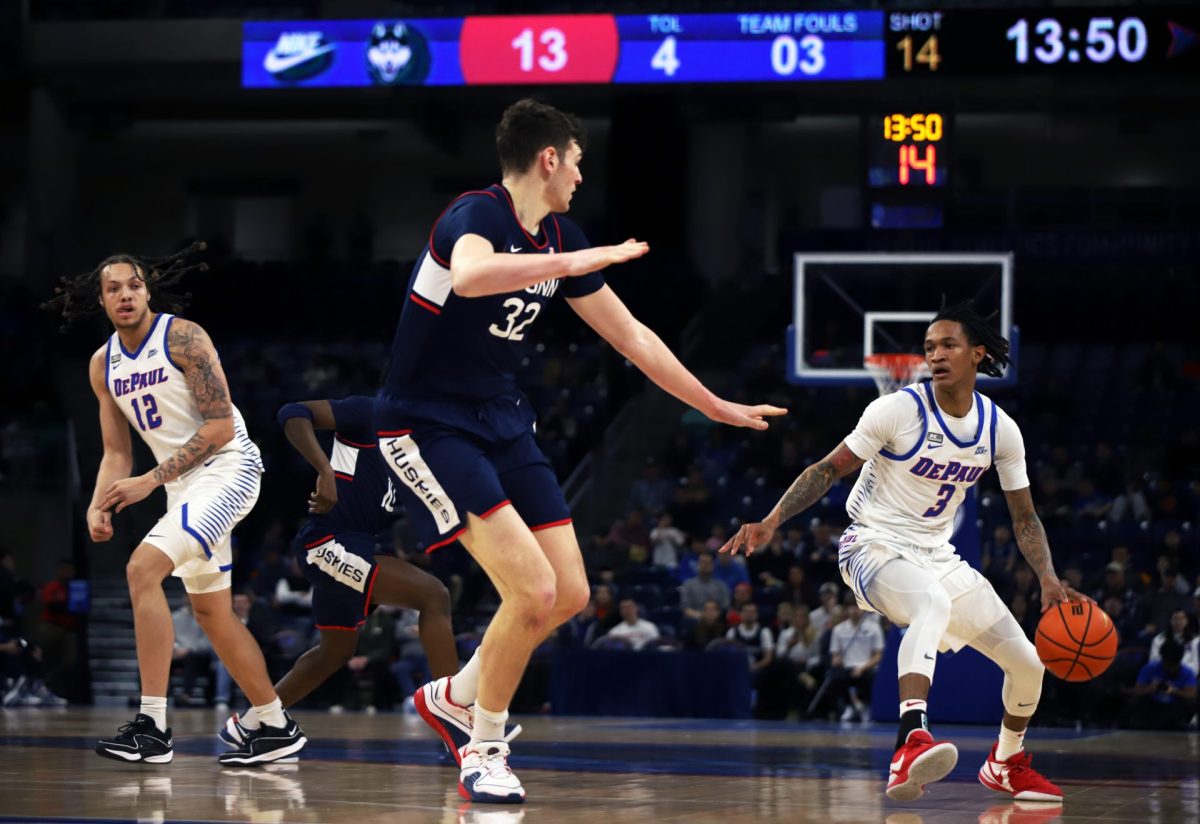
(919,762)
(1015,777)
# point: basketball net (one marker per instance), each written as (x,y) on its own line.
(892,370)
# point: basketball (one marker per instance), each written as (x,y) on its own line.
(1076,641)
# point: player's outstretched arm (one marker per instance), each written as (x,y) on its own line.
(1031,540)
(117,462)
(477,270)
(611,319)
(300,422)
(193,351)
(805,491)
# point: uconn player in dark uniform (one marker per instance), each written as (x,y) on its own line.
(458,434)
(160,374)
(354,499)
(920,449)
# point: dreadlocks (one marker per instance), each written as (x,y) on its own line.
(979,332)
(80,296)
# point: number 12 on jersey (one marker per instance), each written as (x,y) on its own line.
(153,420)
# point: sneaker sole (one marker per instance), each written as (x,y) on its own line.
(435,723)
(932,765)
(275,756)
(134,758)
(511,798)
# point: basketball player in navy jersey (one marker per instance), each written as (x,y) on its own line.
(354,499)
(458,434)
(160,374)
(920,449)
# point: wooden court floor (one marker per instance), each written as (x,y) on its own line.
(387,768)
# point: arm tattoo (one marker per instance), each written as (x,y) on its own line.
(806,490)
(192,349)
(1031,539)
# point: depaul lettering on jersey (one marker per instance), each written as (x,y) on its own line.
(139,381)
(952,472)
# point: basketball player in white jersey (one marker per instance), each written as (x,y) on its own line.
(161,375)
(920,449)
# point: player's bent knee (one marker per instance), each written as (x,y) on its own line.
(535,603)
(142,573)
(573,597)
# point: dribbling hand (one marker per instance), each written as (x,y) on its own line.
(1055,591)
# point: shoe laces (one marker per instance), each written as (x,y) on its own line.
(1019,765)
(495,753)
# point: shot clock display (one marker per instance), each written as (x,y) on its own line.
(907,150)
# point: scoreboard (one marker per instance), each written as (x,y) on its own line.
(745,47)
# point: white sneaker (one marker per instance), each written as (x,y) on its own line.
(451,722)
(485,777)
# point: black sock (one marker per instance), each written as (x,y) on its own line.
(909,721)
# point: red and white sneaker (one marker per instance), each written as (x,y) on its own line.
(484,774)
(919,762)
(1015,777)
(451,722)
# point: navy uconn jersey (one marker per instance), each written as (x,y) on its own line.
(469,348)
(366,498)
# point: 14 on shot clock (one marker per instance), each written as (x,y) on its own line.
(908,149)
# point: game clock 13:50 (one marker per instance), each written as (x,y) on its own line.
(907,150)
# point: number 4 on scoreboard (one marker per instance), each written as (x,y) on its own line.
(664,59)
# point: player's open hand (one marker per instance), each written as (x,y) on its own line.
(128,492)
(738,414)
(99,524)
(1055,591)
(749,537)
(586,261)
(324,496)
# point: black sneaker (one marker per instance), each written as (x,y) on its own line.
(266,744)
(140,740)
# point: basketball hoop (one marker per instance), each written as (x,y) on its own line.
(892,370)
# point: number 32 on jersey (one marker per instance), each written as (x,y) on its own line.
(520,315)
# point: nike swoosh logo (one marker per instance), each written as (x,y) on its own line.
(928,657)
(1030,704)
(209,461)
(512,250)
(275,63)
(155,535)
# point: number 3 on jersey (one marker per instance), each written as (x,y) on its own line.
(514,330)
(945,493)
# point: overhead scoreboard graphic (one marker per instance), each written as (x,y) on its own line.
(745,47)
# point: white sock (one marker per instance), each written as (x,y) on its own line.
(249,719)
(464,685)
(271,714)
(488,725)
(1011,743)
(913,704)
(156,708)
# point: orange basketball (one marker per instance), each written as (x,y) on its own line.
(1076,640)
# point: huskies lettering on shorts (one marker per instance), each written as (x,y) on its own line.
(344,567)
(408,465)
(951,472)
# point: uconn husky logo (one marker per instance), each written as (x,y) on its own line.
(951,472)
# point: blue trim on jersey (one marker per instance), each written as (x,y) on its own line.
(194,533)
(993,431)
(167,343)
(145,340)
(937,413)
(225,567)
(891,456)
(108,362)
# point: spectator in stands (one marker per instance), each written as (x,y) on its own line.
(704,587)
(1179,631)
(192,651)
(1127,629)
(60,629)
(668,542)
(411,668)
(607,614)
(1131,505)
(821,618)
(758,640)
(999,558)
(743,594)
(1091,505)
(1164,600)
(1025,583)
(717,536)
(581,629)
(631,537)
(633,628)
(1165,694)
(798,655)
(855,647)
(730,569)
(689,560)
(796,589)
(823,554)
(769,568)
(293,598)
(652,492)
(709,628)
(692,500)
(1027,619)
(1170,561)
(1116,585)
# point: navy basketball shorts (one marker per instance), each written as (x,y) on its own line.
(445,473)
(341,567)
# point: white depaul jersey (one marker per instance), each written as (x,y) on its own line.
(151,392)
(920,462)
